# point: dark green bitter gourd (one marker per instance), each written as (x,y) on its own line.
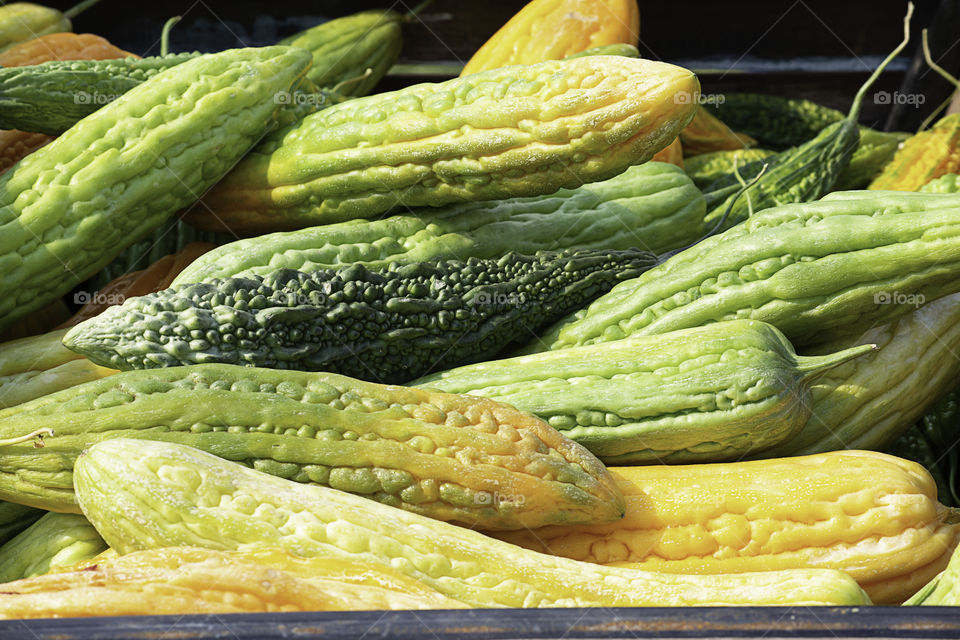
(391,325)
(808,171)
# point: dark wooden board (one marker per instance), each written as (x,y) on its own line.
(769,623)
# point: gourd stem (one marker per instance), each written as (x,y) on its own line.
(415,12)
(814,366)
(942,72)
(38,434)
(669,254)
(165,34)
(366,74)
(736,174)
(933,114)
(77,9)
(933,65)
(858,99)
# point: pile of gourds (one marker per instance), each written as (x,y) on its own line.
(550,333)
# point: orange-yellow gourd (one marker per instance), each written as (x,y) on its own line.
(554,29)
(61,46)
(672,153)
(873,516)
(16,145)
(923,157)
(187,580)
(706,133)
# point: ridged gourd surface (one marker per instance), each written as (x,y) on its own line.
(68,208)
(653,206)
(385,326)
(516,131)
(814,270)
(871,515)
(438,454)
(200,500)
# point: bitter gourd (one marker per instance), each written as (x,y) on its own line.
(61,46)
(386,326)
(867,403)
(54,541)
(706,168)
(870,515)
(943,590)
(344,48)
(875,150)
(816,271)
(805,172)
(450,457)
(21,21)
(775,121)
(35,366)
(53,96)
(923,157)
(515,131)
(705,394)
(944,184)
(653,205)
(554,29)
(183,580)
(70,207)
(143,495)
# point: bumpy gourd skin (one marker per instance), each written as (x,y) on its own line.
(515,131)
(182,580)
(53,96)
(653,206)
(869,402)
(344,48)
(873,516)
(386,326)
(554,29)
(67,209)
(925,156)
(776,122)
(144,495)
(450,457)
(801,174)
(705,394)
(815,271)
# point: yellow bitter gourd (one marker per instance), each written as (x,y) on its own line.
(186,580)
(555,29)
(873,516)
(515,131)
(147,494)
(923,157)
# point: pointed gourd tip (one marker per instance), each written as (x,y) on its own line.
(814,366)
